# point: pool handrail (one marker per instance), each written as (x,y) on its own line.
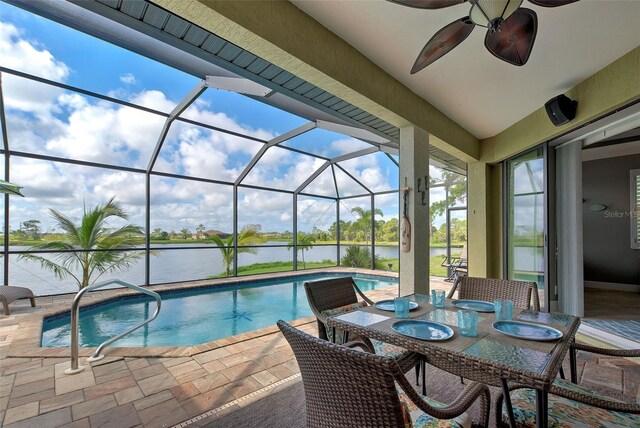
(75,315)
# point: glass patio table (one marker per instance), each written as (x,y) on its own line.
(491,358)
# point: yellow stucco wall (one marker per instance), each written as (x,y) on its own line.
(279,32)
(615,86)
(484,220)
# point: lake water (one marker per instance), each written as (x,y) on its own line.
(184,264)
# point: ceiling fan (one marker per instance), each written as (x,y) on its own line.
(511,29)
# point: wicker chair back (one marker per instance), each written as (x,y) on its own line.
(488,289)
(329,294)
(344,387)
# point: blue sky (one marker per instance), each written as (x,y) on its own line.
(46,120)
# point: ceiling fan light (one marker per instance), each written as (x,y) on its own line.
(486,12)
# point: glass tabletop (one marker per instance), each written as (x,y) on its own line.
(490,348)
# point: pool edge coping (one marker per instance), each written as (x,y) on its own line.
(26,343)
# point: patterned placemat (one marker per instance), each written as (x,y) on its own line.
(362,318)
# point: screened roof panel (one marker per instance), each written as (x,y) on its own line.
(47,120)
(323,184)
(347,186)
(87,62)
(272,211)
(316,213)
(241,114)
(376,171)
(282,169)
(197,151)
(69,188)
(189,48)
(389,205)
(178,204)
(325,143)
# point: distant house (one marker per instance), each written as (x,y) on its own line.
(219,233)
(208,233)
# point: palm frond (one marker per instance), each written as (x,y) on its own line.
(121,263)
(59,271)
(63,222)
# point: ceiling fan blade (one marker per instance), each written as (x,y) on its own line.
(428,4)
(442,42)
(552,3)
(514,42)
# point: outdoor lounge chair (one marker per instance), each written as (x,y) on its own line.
(348,388)
(570,404)
(9,294)
(488,289)
(457,265)
(335,296)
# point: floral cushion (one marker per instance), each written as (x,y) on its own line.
(339,311)
(389,350)
(565,384)
(567,413)
(419,419)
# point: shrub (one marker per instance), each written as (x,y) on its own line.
(357,256)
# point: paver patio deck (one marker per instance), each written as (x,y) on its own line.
(127,391)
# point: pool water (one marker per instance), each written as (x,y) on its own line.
(193,317)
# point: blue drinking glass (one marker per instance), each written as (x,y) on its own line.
(504,309)
(468,323)
(401,305)
(437,298)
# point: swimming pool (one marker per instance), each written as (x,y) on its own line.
(191,317)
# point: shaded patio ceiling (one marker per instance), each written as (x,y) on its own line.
(478,91)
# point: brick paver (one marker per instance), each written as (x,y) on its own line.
(160,391)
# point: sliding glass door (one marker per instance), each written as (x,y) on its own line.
(526,219)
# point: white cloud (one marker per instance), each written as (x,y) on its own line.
(153,99)
(48,120)
(348,145)
(128,79)
(106,133)
(23,55)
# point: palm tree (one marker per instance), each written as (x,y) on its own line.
(305,242)
(91,234)
(363,222)
(250,234)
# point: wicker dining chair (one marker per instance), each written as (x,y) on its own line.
(348,388)
(488,289)
(335,296)
(575,347)
(570,404)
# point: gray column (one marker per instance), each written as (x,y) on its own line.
(414,166)
(569,229)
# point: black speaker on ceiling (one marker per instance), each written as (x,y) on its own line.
(561,109)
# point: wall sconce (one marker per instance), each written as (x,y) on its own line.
(598,207)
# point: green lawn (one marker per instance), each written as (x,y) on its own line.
(434,266)
(257,268)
